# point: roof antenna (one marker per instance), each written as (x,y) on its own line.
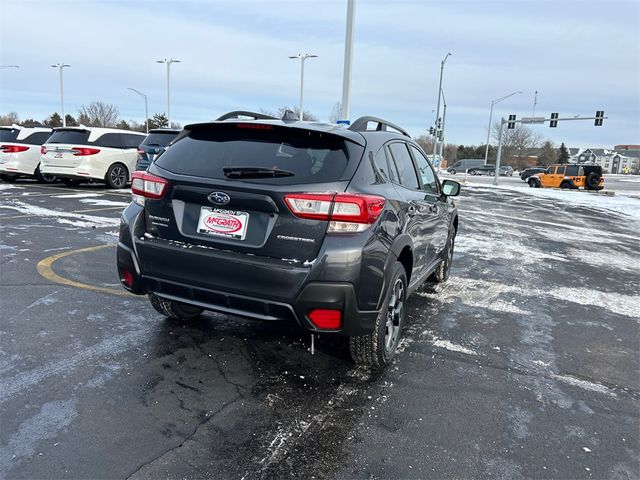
(289,116)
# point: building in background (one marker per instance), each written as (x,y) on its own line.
(611,161)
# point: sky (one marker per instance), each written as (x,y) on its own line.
(580,55)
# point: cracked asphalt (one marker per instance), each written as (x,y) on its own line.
(524,365)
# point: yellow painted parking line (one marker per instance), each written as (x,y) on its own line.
(45,268)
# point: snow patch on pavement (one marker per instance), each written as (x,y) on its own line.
(104,203)
(68,218)
(628,305)
(76,195)
(584,384)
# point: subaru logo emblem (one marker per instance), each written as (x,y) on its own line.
(219,198)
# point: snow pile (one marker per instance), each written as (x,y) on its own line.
(621,204)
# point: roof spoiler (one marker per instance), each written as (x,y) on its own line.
(361,124)
(236,114)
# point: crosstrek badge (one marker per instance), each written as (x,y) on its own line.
(225,223)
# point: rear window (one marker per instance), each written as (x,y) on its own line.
(69,136)
(159,139)
(312,157)
(37,138)
(8,134)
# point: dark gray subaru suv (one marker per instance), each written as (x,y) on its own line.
(326,226)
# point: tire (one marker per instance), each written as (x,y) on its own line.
(44,177)
(452,171)
(378,348)
(8,178)
(533,183)
(472,172)
(71,182)
(117,176)
(592,181)
(565,185)
(173,309)
(441,274)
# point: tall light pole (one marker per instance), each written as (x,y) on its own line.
(9,66)
(146,109)
(168,61)
(302,59)
(60,67)
(493,102)
(444,118)
(435,135)
(348,55)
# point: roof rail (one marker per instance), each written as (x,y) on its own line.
(361,124)
(241,113)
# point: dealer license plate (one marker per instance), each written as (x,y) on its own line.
(223,223)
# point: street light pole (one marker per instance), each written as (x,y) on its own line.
(348,55)
(146,110)
(168,61)
(435,135)
(493,102)
(60,66)
(302,59)
(444,118)
(9,66)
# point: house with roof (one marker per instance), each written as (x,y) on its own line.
(611,161)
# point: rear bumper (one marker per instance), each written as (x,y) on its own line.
(86,170)
(18,167)
(314,295)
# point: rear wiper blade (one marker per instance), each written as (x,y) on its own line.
(255,172)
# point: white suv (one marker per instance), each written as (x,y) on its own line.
(20,152)
(78,154)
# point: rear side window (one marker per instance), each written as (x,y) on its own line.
(159,139)
(8,134)
(69,136)
(37,138)
(131,141)
(312,157)
(111,140)
(572,170)
(382,163)
(404,164)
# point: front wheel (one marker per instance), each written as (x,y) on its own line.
(441,274)
(533,183)
(378,348)
(117,176)
(173,309)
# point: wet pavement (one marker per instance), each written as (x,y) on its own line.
(525,364)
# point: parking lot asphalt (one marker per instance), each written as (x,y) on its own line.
(525,364)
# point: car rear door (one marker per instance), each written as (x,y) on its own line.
(210,206)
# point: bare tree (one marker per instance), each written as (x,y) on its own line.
(426,143)
(517,143)
(98,114)
(336,113)
(9,119)
(280,112)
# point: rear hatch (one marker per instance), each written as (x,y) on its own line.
(226,196)
(60,151)
(152,146)
(8,137)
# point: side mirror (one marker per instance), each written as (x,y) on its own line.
(450,188)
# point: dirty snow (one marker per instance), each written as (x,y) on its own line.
(104,203)
(584,384)
(68,218)
(76,195)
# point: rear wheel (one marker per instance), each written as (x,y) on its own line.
(472,172)
(8,178)
(565,185)
(378,348)
(44,177)
(452,171)
(173,309)
(117,176)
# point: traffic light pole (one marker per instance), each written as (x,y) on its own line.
(597,118)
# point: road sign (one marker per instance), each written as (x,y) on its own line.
(532,120)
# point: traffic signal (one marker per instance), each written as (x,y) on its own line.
(432,131)
(512,122)
(599,118)
(440,135)
(554,120)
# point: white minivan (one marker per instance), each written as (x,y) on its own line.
(79,154)
(20,153)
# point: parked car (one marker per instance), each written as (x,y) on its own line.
(328,227)
(465,164)
(588,177)
(488,169)
(153,145)
(526,173)
(20,153)
(80,154)
(506,170)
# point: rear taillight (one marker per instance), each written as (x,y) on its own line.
(145,185)
(84,151)
(43,150)
(255,126)
(345,212)
(13,148)
(140,153)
